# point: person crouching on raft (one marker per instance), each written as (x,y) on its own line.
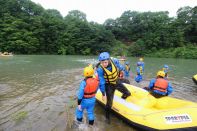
(160,86)
(108,73)
(86,95)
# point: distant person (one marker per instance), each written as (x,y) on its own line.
(127,70)
(121,77)
(122,60)
(166,70)
(139,72)
(141,60)
(108,72)
(86,95)
(124,75)
(125,64)
(160,87)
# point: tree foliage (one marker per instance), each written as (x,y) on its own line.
(28,28)
(148,32)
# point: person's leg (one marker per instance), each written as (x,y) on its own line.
(79,114)
(124,80)
(137,78)
(90,110)
(110,95)
(155,94)
(120,87)
(141,78)
(126,74)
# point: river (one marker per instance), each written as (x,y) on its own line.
(38,92)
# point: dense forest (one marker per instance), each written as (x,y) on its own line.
(28,28)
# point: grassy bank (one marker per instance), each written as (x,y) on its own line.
(187,52)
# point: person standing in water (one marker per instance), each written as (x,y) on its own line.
(127,70)
(124,75)
(141,60)
(86,95)
(139,72)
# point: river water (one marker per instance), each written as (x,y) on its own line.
(38,92)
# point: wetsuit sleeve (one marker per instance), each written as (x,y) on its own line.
(117,63)
(151,84)
(169,89)
(101,80)
(81,91)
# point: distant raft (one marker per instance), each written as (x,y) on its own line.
(144,111)
(6,54)
(194,78)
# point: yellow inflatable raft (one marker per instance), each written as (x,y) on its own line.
(194,78)
(150,113)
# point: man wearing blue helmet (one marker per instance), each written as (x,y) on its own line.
(108,73)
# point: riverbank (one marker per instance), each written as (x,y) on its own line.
(187,52)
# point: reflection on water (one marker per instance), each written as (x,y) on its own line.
(39,92)
(45,101)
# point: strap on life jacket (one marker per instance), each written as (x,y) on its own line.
(141,70)
(111,76)
(127,67)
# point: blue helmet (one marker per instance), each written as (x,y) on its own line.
(139,63)
(126,62)
(104,56)
(166,66)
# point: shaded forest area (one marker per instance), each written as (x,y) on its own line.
(28,28)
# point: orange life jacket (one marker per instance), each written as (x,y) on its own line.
(161,85)
(91,87)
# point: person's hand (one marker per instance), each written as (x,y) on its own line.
(79,107)
(104,97)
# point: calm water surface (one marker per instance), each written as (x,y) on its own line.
(38,92)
